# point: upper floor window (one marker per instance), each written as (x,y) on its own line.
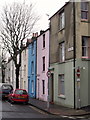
(32,48)
(32,67)
(24,70)
(84,10)
(85,47)
(62,20)
(44,41)
(43,63)
(62,52)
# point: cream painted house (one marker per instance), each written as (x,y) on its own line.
(24,70)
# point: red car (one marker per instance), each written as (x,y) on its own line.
(18,95)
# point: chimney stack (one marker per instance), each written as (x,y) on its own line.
(41,32)
(35,34)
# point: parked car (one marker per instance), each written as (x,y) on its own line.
(5,89)
(19,95)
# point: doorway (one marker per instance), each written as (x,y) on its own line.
(52,88)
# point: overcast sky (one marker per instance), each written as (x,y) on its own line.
(43,7)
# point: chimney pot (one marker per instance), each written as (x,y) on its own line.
(36,34)
(41,32)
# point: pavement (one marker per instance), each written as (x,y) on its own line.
(58,109)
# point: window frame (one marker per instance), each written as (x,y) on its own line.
(32,86)
(62,52)
(24,70)
(43,87)
(84,10)
(62,20)
(85,48)
(43,60)
(43,40)
(32,48)
(61,83)
(32,67)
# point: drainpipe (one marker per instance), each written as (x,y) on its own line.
(74,48)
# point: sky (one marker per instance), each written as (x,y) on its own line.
(43,7)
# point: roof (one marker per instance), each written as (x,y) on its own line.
(59,9)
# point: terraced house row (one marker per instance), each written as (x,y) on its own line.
(63,50)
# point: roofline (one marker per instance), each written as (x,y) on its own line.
(60,9)
(43,32)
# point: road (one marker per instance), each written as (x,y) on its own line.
(27,112)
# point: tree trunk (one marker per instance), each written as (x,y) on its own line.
(17,76)
(17,65)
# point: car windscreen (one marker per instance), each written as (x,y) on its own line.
(20,92)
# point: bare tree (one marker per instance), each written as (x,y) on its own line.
(18,21)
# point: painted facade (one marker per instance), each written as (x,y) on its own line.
(24,70)
(42,65)
(68,89)
(10,73)
(32,67)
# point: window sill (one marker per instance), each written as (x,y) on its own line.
(85,58)
(60,30)
(43,94)
(32,54)
(43,71)
(43,48)
(32,73)
(61,62)
(84,20)
(62,96)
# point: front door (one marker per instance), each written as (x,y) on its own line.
(52,88)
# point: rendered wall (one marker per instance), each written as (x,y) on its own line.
(41,75)
(67,70)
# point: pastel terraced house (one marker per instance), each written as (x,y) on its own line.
(42,65)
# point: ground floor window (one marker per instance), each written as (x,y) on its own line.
(43,86)
(61,84)
(32,85)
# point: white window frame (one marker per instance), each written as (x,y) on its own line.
(62,20)
(84,10)
(62,52)
(85,46)
(61,85)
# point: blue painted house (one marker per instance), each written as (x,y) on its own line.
(32,66)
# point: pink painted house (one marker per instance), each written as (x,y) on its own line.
(42,65)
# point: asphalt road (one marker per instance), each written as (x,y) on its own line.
(19,111)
